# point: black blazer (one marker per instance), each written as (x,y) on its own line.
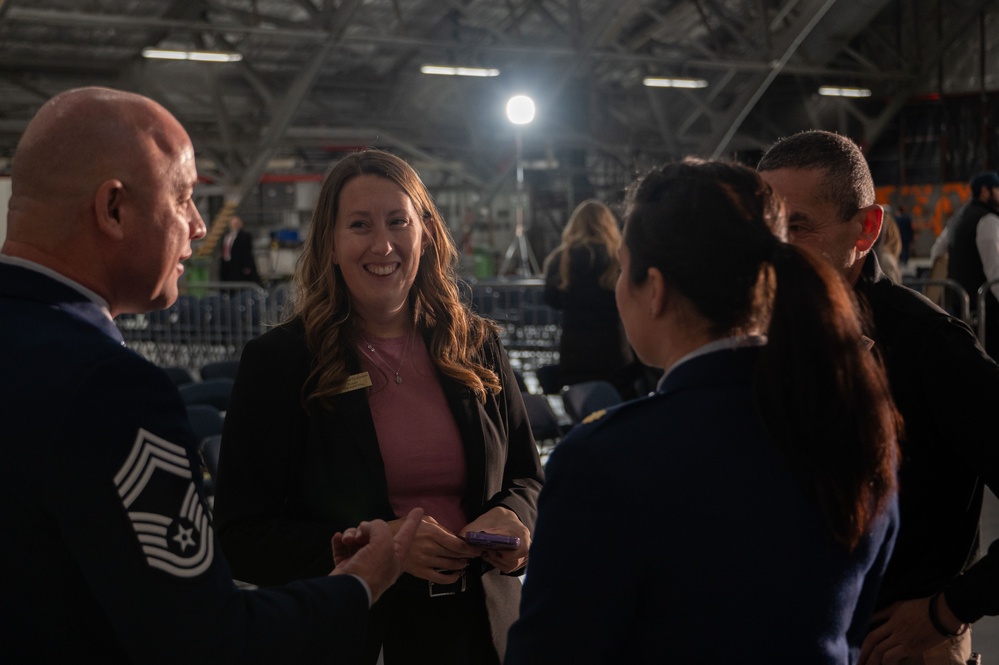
(289,479)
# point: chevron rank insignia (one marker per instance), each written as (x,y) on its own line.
(156,487)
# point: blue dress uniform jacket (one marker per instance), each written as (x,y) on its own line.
(671,531)
(289,478)
(106,544)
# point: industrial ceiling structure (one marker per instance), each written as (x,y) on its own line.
(320,77)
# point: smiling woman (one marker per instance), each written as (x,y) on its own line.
(383,393)
(379,238)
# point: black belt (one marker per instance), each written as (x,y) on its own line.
(460,586)
(466,581)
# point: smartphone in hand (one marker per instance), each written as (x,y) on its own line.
(493,541)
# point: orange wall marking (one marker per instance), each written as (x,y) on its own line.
(930,206)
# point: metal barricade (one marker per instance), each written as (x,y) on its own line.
(983,291)
(213,321)
(964,301)
(210,321)
(528,327)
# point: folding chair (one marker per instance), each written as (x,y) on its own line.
(214,392)
(205,420)
(223,369)
(548,379)
(179,375)
(544,423)
(582,399)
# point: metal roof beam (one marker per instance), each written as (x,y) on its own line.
(78,19)
(957,29)
(273,135)
(729,124)
(290,103)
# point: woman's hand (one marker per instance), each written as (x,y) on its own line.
(435,549)
(505,522)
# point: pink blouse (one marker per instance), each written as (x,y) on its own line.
(417,433)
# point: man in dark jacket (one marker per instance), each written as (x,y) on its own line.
(946,389)
(237,263)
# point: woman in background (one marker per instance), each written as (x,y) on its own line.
(888,247)
(579,280)
(383,393)
(747,510)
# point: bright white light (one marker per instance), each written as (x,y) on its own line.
(200,56)
(520,109)
(829,91)
(445,70)
(657,82)
(161,54)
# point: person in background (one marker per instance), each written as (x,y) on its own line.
(746,510)
(946,389)
(973,252)
(888,248)
(383,393)
(237,263)
(579,280)
(939,257)
(903,221)
(107,543)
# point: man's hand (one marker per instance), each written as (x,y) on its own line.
(371,552)
(905,633)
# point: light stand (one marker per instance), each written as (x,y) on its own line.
(520,111)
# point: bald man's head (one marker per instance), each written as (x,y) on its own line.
(83,137)
(101,180)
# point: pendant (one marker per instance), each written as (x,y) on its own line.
(398,379)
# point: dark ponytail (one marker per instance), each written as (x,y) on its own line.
(823,396)
(713,230)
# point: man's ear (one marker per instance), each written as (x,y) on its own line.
(873,215)
(108,203)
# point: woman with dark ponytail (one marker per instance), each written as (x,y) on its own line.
(745,512)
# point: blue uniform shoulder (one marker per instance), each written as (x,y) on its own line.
(606,422)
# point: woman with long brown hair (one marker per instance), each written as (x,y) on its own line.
(579,280)
(383,393)
(747,510)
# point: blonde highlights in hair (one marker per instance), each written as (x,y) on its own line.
(592,223)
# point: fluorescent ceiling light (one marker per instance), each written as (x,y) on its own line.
(657,82)
(830,91)
(200,56)
(445,70)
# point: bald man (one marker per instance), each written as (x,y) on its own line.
(106,542)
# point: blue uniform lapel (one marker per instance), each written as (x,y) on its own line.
(25,284)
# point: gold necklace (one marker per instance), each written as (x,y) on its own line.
(378,357)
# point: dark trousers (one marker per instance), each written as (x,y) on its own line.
(414,628)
